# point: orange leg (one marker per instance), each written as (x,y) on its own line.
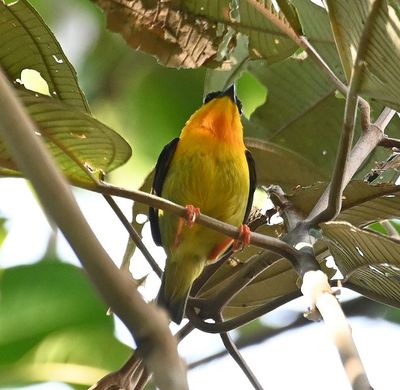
(191,215)
(244,238)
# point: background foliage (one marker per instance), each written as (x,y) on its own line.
(293,122)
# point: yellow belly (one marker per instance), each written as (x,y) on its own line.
(217,181)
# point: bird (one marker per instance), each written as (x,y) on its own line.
(208,169)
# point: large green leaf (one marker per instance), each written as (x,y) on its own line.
(27,43)
(362,203)
(54,327)
(71,135)
(302,115)
(380,78)
(369,262)
(266,40)
(315,24)
(279,165)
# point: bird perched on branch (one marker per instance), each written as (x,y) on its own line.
(207,168)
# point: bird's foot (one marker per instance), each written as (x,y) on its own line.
(244,238)
(190,218)
(191,214)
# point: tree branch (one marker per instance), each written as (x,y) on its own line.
(256,239)
(337,184)
(388,142)
(237,357)
(360,306)
(134,235)
(240,320)
(362,149)
(147,324)
(317,290)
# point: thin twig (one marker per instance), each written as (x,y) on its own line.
(256,239)
(360,306)
(240,320)
(237,357)
(388,142)
(147,324)
(134,235)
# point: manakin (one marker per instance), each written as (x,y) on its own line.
(207,168)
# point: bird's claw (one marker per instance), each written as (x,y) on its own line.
(244,238)
(190,218)
(191,214)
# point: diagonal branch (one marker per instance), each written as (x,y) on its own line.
(237,357)
(257,239)
(147,324)
(337,182)
(240,320)
(134,235)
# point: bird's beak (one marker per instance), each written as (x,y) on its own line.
(230,92)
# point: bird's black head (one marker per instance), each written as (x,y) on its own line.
(230,92)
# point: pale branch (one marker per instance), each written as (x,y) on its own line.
(240,320)
(237,357)
(256,239)
(134,235)
(147,324)
(317,290)
(362,149)
(337,183)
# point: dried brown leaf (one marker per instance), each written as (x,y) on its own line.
(175,36)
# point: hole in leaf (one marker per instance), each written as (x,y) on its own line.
(251,92)
(141,219)
(32,79)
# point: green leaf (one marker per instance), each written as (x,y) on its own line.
(54,327)
(72,136)
(291,15)
(315,23)
(27,43)
(266,40)
(369,262)
(362,203)
(278,165)
(302,115)
(380,78)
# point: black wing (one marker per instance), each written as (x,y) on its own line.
(253,183)
(159,176)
